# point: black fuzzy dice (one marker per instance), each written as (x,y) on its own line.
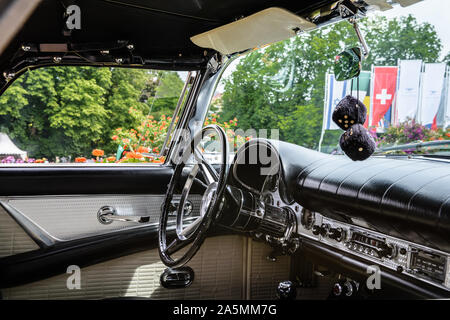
(357,143)
(348,112)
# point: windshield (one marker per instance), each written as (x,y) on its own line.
(289,89)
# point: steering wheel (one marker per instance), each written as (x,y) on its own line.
(195,232)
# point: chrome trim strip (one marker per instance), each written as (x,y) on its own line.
(241,152)
(40,236)
(164,148)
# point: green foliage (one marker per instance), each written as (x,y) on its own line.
(68,111)
(447,59)
(400,38)
(307,117)
(282,86)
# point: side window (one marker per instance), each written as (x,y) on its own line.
(88,115)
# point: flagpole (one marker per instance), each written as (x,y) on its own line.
(446,89)
(394,115)
(419,107)
(325,115)
(371,95)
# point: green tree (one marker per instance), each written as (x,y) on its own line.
(400,38)
(282,86)
(447,59)
(68,111)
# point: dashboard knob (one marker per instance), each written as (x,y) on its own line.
(344,288)
(337,289)
(324,229)
(388,251)
(335,233)
(316,229)
(286,290)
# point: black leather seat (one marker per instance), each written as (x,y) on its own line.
(407,198)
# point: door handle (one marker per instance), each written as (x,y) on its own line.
(174,208)
(108,214)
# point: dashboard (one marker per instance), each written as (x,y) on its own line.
(276,214)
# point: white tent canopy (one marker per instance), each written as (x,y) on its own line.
(8,148)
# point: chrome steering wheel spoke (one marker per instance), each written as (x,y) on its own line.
(195,232)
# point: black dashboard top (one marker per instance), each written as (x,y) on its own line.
(404,198)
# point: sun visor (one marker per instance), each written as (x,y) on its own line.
(264,27)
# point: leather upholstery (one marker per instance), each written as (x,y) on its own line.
(406,198)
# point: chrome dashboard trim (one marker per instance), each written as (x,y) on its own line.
(393,263)
(241,150)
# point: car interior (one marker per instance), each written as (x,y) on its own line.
(269,220)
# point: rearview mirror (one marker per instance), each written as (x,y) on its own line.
(347,64)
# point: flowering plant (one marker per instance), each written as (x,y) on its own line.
(149,134)
(143,143)
(409,132)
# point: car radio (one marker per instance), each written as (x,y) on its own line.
(371,245)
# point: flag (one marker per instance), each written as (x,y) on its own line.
(440,115)
(407,102)
(446,122)
(364,90)
(383,93)
(432,84)
(442,118)
(336,91)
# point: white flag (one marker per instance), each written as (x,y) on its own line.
(336,91)
(446,120)
(432,84)
(407,102)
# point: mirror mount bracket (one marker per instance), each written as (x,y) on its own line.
(347,9)
(364,47)
(350,11)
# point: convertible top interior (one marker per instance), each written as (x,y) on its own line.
(158,31)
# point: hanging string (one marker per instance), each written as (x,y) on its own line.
(357,88)
(351,88)
(357,96)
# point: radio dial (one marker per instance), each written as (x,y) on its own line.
(336,234)
(316,229)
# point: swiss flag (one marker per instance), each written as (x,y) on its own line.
(384,87)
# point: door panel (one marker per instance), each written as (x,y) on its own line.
(74,217)
(13,239)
